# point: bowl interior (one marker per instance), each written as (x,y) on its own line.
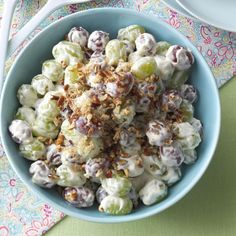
(29,64)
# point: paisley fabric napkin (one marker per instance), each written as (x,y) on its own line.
(21,212)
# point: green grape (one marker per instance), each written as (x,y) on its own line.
(52,70)
(197,125)
(178,79)
(165,68)
(130,47)
(71,78)
(171,175)
(124,113)
(70,176)
(186,135)
(134,165)
(187,110)
(33,151)
(162,48)
(190,142)
(116,186)
(48,109)
(115,51)
(153,165)
(190,156)
(130,33)
(69,156)
(27,114)
(89,147)
(154,191)
(115,205)
(67,53)
(69,133)
(44,128)
(59,91)
(139,181)
(144,67)
(42,84)
(71,75)
(26,95)
(133,57)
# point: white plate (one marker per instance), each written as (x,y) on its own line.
(219,13)
(175,6)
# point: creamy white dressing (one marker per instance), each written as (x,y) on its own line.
(165,69)
(116,186)
(190,156)
(79,36)
(134,56)
(153,191)
(157,137)
(153,165)
(98,40)
(21,131)
(171,176)
(40,174)
(180,60)
(130,47)
(42,84)
(172,155)
(125,114)
(27,114)
(115,51)
(33,151)
(89,147)
(189,138)
(26,95)
(132,149)
(52,70)
(67,53)
(69,177)
(197,125)
(133,164)
(139,181)
(83,102)
(95,81)
(48,108)
(184,129)
(146,44)
(115,205)
(70,133)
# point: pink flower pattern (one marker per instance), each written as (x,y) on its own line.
(39,228)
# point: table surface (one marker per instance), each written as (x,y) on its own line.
(209,209)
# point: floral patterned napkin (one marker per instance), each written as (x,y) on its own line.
(22,213)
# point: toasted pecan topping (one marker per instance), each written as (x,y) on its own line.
(60,101)
(60,139)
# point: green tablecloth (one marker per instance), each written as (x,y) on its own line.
(209,209)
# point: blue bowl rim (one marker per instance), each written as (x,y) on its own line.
(129,217)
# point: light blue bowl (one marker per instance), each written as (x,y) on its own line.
(29,64)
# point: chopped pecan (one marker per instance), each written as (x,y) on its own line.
(53,97)
(66,87)
(60,101)
(126,171)
(60,139)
